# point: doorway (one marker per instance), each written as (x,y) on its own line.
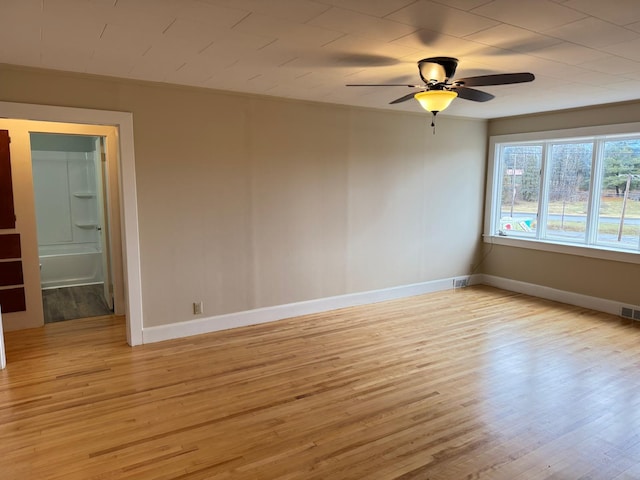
(71,202)
(122,184)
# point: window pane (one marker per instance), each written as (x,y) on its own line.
(619,215)
(520,188)
(569,178)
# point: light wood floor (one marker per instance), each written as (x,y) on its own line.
(476,383)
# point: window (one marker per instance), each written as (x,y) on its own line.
(520,188)
(577,191)
(569,173)
(619,213)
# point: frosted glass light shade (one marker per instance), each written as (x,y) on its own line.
(435,100)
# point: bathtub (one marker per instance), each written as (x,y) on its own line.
(70,265)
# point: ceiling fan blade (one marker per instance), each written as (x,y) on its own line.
(404,98)
(497,79)
(473,94)
(383,85)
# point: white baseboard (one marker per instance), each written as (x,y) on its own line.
(279,312)
(563,296)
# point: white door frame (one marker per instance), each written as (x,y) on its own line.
(123,121)
(3,356)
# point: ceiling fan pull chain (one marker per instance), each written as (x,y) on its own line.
(433,122)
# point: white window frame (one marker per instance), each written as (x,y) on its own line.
(493,198)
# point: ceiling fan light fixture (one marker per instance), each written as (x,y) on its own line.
(435,101)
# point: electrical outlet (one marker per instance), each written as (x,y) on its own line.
(197,308)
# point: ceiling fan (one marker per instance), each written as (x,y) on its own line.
(439,88)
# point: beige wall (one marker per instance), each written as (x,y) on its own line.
(614,113)
(611,280)
(248,202)
(588,276)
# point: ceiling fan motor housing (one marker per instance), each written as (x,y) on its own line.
(437,69)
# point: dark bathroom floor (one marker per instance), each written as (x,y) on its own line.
(68,303)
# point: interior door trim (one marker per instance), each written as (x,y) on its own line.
(123,121)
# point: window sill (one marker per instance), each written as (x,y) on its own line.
(569,249)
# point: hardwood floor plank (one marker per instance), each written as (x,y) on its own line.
(475,383)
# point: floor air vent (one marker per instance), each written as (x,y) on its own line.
(460,282)
(630,313)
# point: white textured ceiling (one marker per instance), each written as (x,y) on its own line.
(583,52)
